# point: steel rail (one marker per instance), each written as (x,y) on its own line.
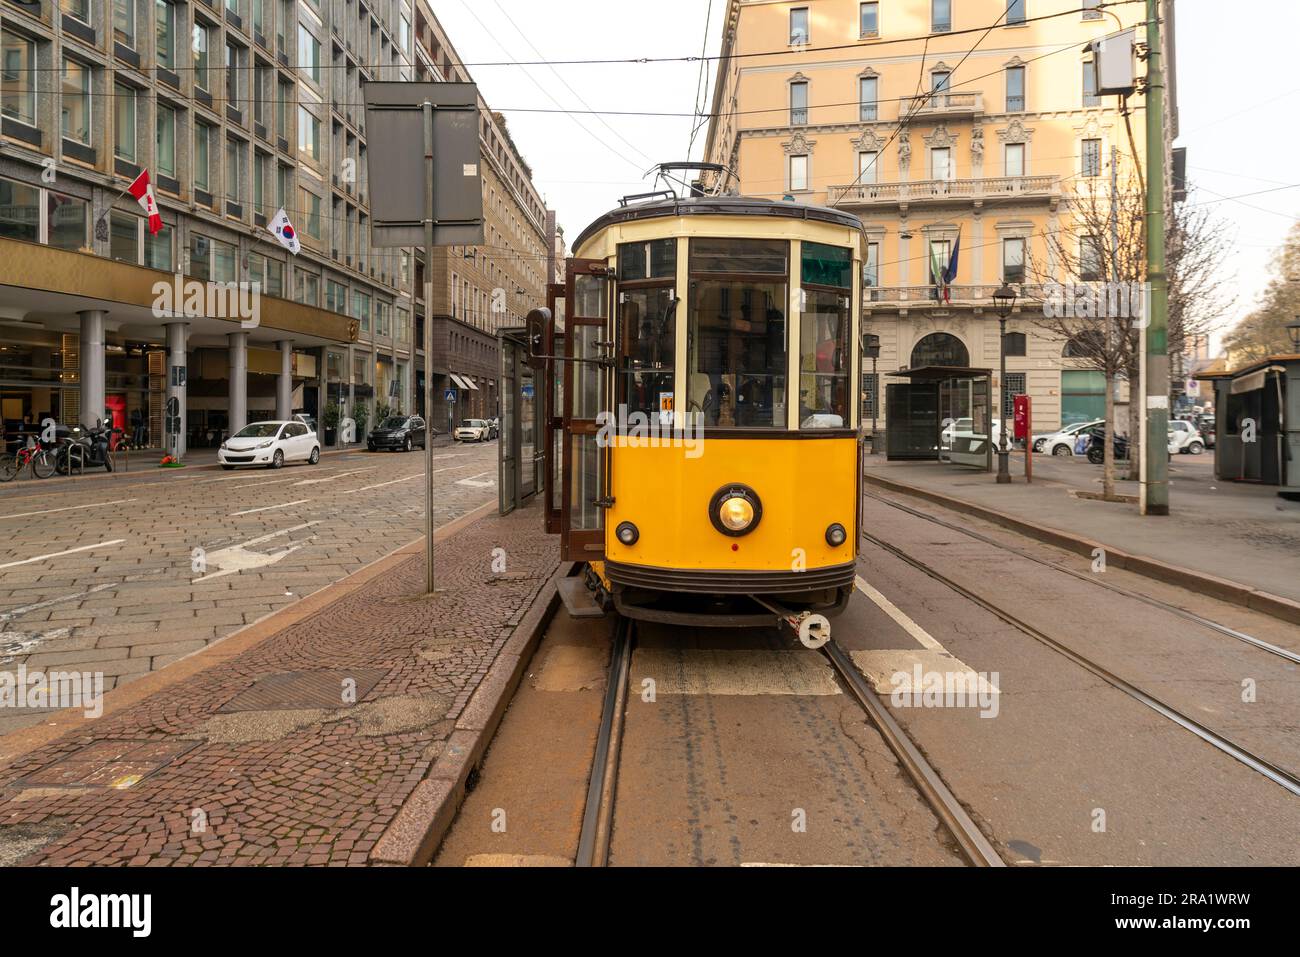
(598,814)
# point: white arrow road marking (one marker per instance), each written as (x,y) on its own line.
(236,558)
(16,612)
(331,478)
(16,643)
(70,551)
(475,484)
(67,508)
(267,508)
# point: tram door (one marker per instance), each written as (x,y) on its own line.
(553,408)
(587,308)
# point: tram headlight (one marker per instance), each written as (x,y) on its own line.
(627,533)
(735,510)
(836,535)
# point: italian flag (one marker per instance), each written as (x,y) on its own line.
(142,190)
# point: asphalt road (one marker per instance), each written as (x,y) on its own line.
(123,574)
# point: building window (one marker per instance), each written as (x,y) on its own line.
(361,308)
(17,77)
(283,185)
(868,107)
(80,9)
(261,178)
(202,163)
(232,75)
(868,166)
(75,105)
(869,19)
(199,45)
(165,30)
(1090,158)
(1090,9)
(1014,386)
(306,287)
(940,16)
(124,22)
(871,268)
(1013,259)
(798,104)
(1090,97)
(310,211)
(235,153)
(798,172)
(158,249)
(309,134)
(869,386)
(799,26)
(124,237)
(1083,396)
(166,140)
(259,18)
(67,216)
(404,34)
(269,273)
(20,211)
(1015,344)
(941,165)
(1090,259)
(940,349)
(308,54)
(1014,159)
(261,86)
(223,261)
(1015,11)
(124,124)
(1015,89)
(283,109)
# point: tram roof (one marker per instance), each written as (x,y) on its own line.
(717,206)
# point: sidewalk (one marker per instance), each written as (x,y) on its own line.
(1245,534)
(298,740)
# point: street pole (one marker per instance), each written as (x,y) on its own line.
(1004,465)
(875,404)
(428,345)
(1155,452)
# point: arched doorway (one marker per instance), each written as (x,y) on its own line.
(940,349)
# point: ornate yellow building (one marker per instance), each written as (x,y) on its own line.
(941,134)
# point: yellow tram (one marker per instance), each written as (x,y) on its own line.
(701,365)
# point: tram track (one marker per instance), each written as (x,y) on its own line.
(1284,653)
(1272,772)
(598,814)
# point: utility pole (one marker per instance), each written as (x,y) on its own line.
(427,107)
(1155,351)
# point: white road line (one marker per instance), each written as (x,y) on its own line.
(472,483)
(67,508)
(70,551)
(236,478)
(450,468)
(268,508)
(893,611)
(333,477)
(266,538)
(22,610)
(294,478)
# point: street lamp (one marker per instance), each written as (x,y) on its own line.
(1293,330)
(1003,302)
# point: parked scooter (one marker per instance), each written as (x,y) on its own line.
(1097,450)
(95,446)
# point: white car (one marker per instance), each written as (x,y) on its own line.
(270,445)
(1185,438)
(1062,441)
(473,430)
(965,428)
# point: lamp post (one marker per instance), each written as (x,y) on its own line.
(1003,301)
(871,350)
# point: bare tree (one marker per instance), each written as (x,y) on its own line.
(1263,332)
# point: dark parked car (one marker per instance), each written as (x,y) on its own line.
(403,432)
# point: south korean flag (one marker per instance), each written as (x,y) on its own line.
(283,230)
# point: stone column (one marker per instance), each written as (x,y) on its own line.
(177,365)
(238,414)
(284,382)
(92,366)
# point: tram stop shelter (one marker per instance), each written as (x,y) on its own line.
(1257,423)
(520,472)
(941,413)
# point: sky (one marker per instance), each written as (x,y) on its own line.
(1237,103)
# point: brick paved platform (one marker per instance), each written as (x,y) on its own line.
(240,755)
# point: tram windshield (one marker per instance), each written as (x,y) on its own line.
(827,276)
(736,332)
(647,309)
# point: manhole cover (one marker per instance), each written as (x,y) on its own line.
(295,690)
(115,764)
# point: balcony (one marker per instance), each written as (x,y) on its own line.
(944,190)
(1029,296)
(943,105)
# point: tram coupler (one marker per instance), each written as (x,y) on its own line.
(812,630)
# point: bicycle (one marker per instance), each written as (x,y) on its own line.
(39,459)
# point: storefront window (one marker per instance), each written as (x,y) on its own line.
(827,275)
(20,211)
(67,221)
(736,332)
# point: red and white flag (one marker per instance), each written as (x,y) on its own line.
(142,190)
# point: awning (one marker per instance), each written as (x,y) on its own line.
(460,383)
(1256,380)
(469,383)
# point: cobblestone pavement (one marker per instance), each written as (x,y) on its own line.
(123,575)
(251,761)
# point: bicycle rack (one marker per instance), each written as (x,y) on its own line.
(80,450)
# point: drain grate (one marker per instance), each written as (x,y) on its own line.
(301,690)
(115,764)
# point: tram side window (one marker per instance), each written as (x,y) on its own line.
(824,324)
(647,315)
(736,332)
